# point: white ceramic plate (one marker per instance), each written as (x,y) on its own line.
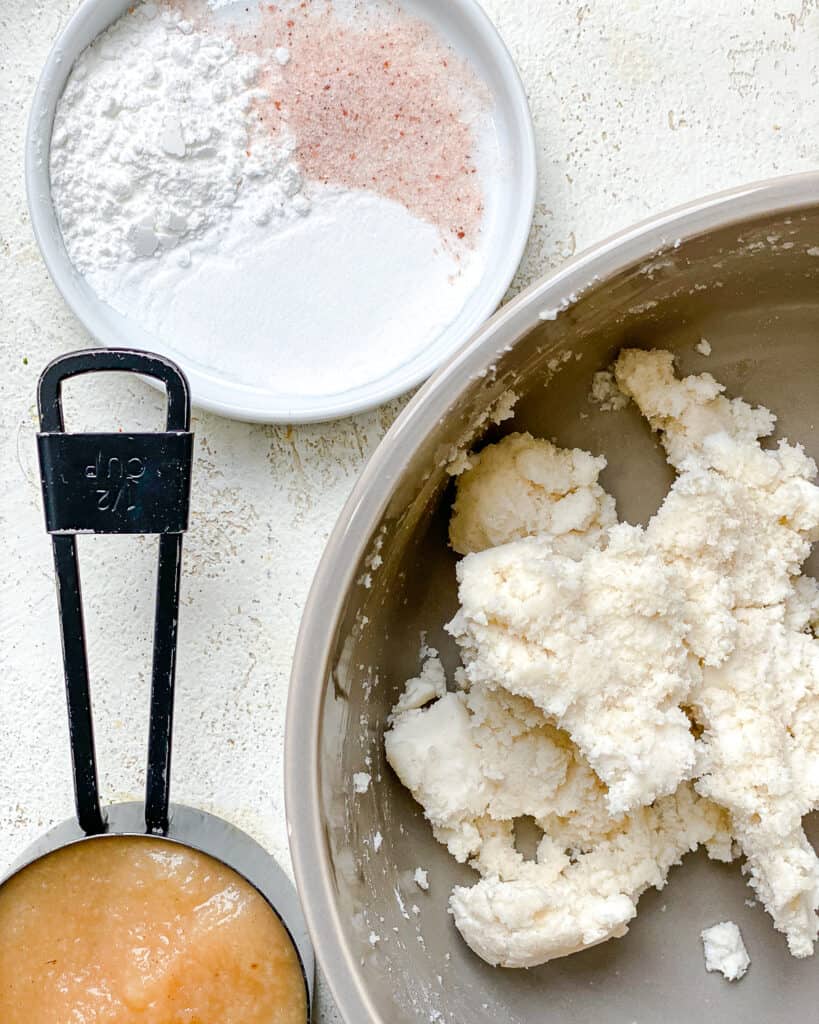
(466,28)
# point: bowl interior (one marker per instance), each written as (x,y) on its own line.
(750,290)
(508,217)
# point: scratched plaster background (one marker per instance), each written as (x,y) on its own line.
(638,105)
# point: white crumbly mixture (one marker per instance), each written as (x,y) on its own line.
(476,760)
(596,642)
(637,691)
(725,951)
(524,488)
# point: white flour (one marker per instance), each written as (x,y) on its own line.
(149,150)
(203,231)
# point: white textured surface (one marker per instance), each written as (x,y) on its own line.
(639,104)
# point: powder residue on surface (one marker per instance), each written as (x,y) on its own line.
(375,102)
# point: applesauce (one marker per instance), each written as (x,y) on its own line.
(131,929)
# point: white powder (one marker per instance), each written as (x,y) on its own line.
(703,346)
(297,313)
(150,142)
(202,230)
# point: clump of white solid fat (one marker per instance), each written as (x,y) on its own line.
(704,609)
(738,522)
(553,908)
(725,951)
(760,712)
(477,760)
(523,486)
(431,683)
(597,643)
(688,411)
(739,519)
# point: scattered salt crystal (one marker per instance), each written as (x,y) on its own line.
(704,347)
(378,839)
(282,55)
(374,939)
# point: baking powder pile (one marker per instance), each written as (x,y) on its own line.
(286,195)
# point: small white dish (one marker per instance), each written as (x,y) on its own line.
(463,25)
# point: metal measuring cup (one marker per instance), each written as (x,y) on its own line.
(135,484)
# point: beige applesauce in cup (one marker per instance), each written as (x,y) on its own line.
(127,929)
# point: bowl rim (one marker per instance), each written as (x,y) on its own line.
(368,501)
(209,391)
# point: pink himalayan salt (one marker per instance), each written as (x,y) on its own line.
(376,105)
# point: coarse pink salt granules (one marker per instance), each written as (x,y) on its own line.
(375,102)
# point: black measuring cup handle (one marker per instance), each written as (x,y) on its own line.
(116,483)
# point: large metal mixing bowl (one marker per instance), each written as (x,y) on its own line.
(742,271)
